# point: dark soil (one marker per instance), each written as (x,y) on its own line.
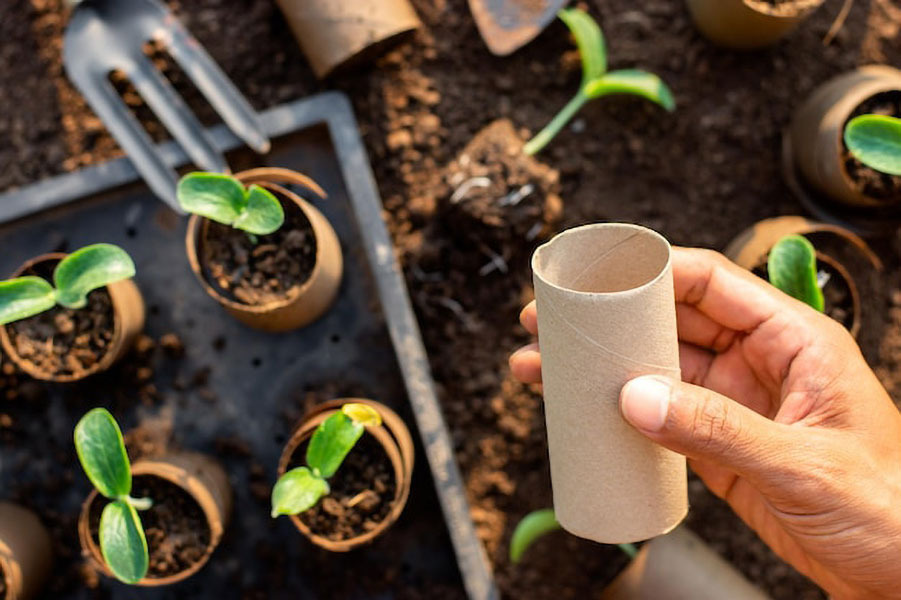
(361,496)
(260,269)
(63,341)
(700,176)
(883,187)
(177,530)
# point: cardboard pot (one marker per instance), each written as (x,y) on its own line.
(25,552)
(302,305)
(128,322)
(201,477)
(680,566)
(607,314)
(333,33)
(815,146)
(746,24)
(392,435)
(752,246)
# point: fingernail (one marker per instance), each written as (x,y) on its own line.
(644,403)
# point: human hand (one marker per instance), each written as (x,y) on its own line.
(781,417)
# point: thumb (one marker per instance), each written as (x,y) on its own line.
(702,424)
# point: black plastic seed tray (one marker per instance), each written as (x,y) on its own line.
(236,392)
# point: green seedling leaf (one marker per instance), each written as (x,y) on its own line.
(122,542)
(296,491)
(792,267)
(331,442)
(875,140)
(635,82)
(87,269)
(590,41)
(223,199)
(101,451)
(363,414)
(24,297)
(533,526)
(264,213)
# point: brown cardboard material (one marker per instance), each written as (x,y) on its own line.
(606,314)
(128,322)
(201,477)
(336,32)
(745,24)
(25,552)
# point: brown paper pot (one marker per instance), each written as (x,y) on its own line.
(337,32)
(306,303)
(201,477)
(25,552)
(606,315)
(393,436)
(128,322)
(815,137)
(744,24)
(680,566)
(752,246)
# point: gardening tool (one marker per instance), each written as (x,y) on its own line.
(508,25)
(107,35)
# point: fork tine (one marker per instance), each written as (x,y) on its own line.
(127,131)
(172,111)
(219,90)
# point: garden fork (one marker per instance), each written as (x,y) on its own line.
(107,35)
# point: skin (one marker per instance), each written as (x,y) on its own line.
(781,417)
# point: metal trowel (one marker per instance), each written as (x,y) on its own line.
(507,25)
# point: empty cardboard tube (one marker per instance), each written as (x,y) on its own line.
(201,477)
(817,130)
(745,24)
(128,322)
(607,314)
(333,33)
(395,439)
(302,305)
(25,552)
(680,566)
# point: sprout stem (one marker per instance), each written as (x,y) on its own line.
(140,503)
(629,549)
(544,136)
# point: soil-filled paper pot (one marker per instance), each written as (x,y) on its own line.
(201,478)
(301,305)
(337,32)
(25,552)
(606,314)
(394,438)
(128,322)
(748,24)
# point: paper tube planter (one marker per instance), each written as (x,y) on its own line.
(606,314)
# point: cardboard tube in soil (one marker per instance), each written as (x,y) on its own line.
(680,566)
(337,32)
(817,129)
(606,314)
(747,24)
(25,552)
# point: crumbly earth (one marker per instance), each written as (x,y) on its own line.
(699,175)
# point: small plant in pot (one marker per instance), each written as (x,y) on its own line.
(79,324)
(152,523)
(344,476)
(259,249)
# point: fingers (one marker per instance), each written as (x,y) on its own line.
(525,364)
(704,425)
(529,318)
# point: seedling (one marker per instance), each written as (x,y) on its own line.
(74,278)
(596,81)
(224,199)
(537,524)
(101,451)
(792,267)
(875,140)
(301,488)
